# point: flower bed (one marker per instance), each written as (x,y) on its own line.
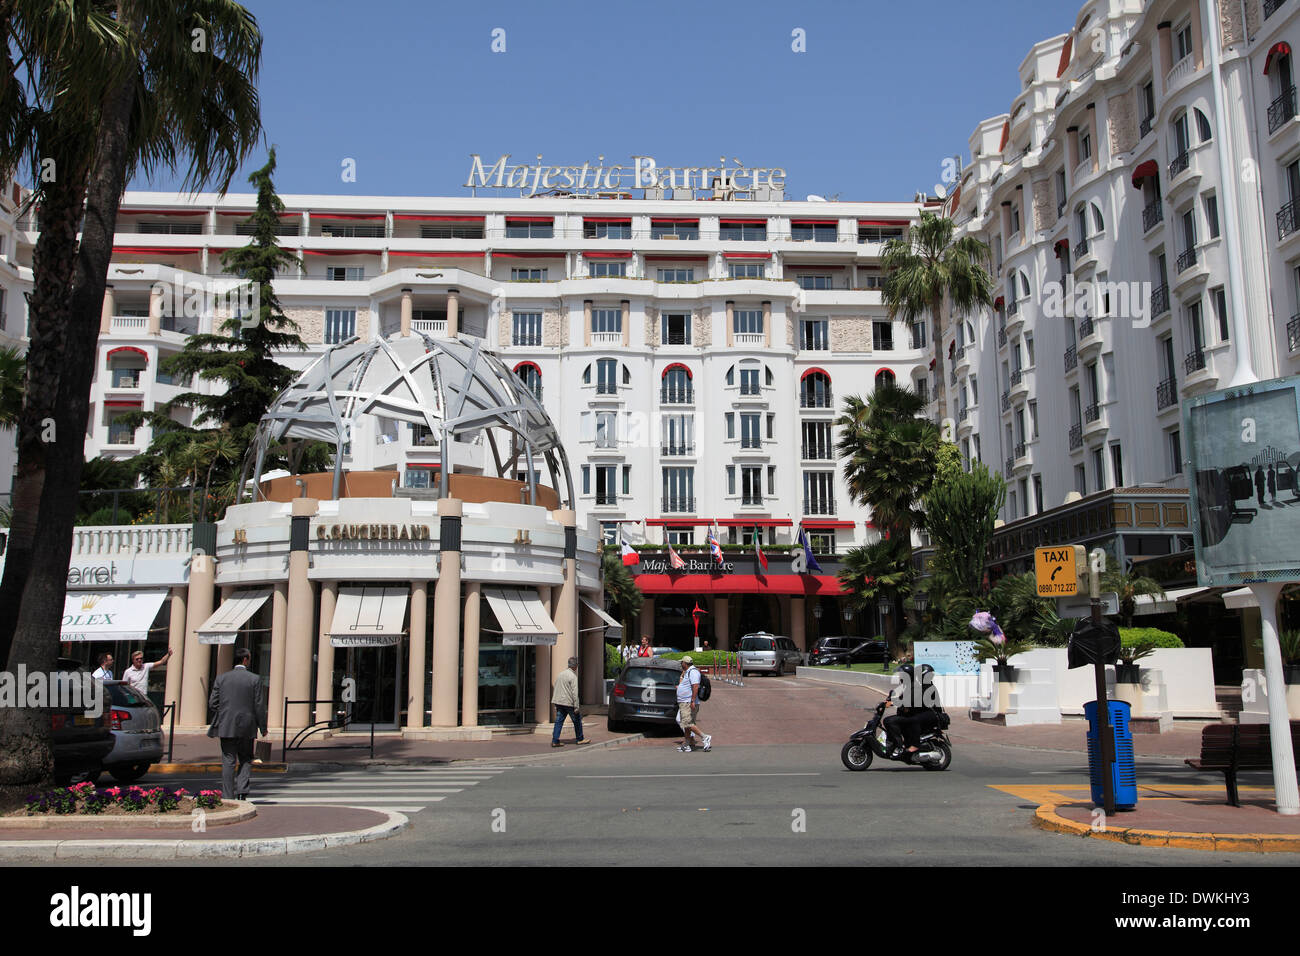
(85,799)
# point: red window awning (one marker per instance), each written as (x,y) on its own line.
(348,215)
(750,522)
(619,220)
(742,222)
(815,524)
(249,212)
(436,255)
(528,255)
(125,403)
(533,365)
(1277,49)
(421,217)
(681,258)
(814,222)
(747,255)
(162,212)
(341,252)
(511,220)
(661,221)
(607,255)
(680,366)
(1058,246)
(1000,301)
(1148,170)
(155,250)
(815,371)
(128,348)
(882,222)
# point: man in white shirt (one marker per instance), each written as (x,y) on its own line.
(688,708)
(137,675)
(105,669)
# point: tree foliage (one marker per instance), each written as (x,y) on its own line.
(959,517)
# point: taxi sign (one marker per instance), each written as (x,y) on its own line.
(1056,570)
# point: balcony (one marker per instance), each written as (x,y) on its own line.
(1144,127)
(1007,466)
(1071,358)
(1080,249)
(606,388)
(1281,109)
(818,506)
(1286,218)
(1017,376)
(1152,213)
(1185,260)
(751,442)
(1013,307)
(439,327)
(1195,361)
(126,381)
(1002,336)
(121,435)
(1087,326)
(1180,162)
(1006,401)
(1091,413)
(752,389)
(1159,300)
(1060,209)
(1076,436)
(1293,333)
(675,449)
(816,452)
(1180,70)
(606,338)
(1019,451)
(526,340)
(747,338)
(964,414)
(129,325)
(677,396)
(606,498)
(811,402)
(1166,393)
(1270,7)
(678,504)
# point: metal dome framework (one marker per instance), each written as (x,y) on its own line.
(452,387)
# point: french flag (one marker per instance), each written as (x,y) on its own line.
(630,557)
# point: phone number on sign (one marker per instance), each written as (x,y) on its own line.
(1054,590)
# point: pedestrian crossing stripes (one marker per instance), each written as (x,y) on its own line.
(406,791)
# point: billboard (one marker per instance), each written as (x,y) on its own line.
(1243,452)
(947,657)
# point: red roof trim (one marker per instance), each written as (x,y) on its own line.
(800,267)
(249,212)
(349,215)
(125,403)
(437,255)
(422,464)
(742,222)
(679,365)
(751,522)
(810,371)
(155,250)
(681,258)
(341,252)
(607,255)
(528,255)
(621,220)
(815,523)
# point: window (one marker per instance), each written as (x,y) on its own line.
(1033,419)
(771,488)
(748,322)
(676,275)
(731,479)
(1080,480)
(822,542)
(1015,219)
(340,325)
(606,429)
(527,275)
(607,230)
(604,269)
(743,231)
(730,419)
(815,391)
(816,441)
(749,380)
(680,536)
(1098,223)
(1175,452)
(1085,145)
(1117,464)
(1183,41)
(526,328)
(609,532)
(676,328)
(878,233)
(677,386)
(1099,468)
(627,479)
(818,492)
(678,434)
(452,230)
(1038,494)
(1148,101)
(745,270)
(171,228)
(1024,497)
(885,377)
(607,320)
(882,336)
(523,229)
(814,335)
(1212,215)
(606,377)
(606,489)
(918,334)
(1195,330)
(350,230)
(1220,301)
(749,431)
(679,491)
(675,230)
(420,478)
(751,485)
(813,232)
(810,281)
(119,432)
(1013,506)
(586,479)
(345,273)
(1203,132)
(529,374)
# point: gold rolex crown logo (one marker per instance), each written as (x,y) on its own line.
(89,601)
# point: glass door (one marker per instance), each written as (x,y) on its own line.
(377,673)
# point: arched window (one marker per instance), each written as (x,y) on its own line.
(126,365)
(586,375)
(676,385)
(1024,285)
(731,375)
(886,377)
(531,376)
(815,389)
(749,370)
(1098,223)
(1203,132)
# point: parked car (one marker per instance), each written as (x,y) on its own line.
(661,651)
(137,732)
(768,653)
(848,650)
(645,692)
(80,742)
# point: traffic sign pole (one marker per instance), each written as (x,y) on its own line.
(1106,739)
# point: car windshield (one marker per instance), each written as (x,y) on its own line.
(124,695)
(638,676)
(757,644)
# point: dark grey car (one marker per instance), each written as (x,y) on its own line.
(645,692)
(137,732)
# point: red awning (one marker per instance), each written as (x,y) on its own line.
(348,215)
(128,348)
(620,220)
(814,222)
(423,218)
(681,258)
(510,219)
(661,221)
(607,255)
(677,522)
(154,250)
(800,267)
(125,403)
(811,371)
(528,255)
(750,522)
(436,255)
(882,222)
(680,366)
(1059,245)
(743,222)
(422,464)
(1000,301)
(1278,49)
(341,252)
(534,365)
(1064,64)
(799,585)
(1147,170)
(747,255)
(814,523)
(249,212)
(162,212)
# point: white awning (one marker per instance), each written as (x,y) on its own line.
(1240,598)
(1151,604)
(522,618)
(109,615)
(224,624)
(615,628)
(369,616)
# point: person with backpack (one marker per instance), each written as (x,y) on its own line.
(691,689)
(918,710)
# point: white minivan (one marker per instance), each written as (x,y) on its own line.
(768,653)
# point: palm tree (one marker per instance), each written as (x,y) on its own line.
(181,89)
(1129,585)
(621,589)
(929,266)
(881,569)
(13,371)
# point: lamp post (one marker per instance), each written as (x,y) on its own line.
(884,606)
(817,614)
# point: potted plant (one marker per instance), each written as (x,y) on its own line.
(997,646)
(1127,670)
(1289,641)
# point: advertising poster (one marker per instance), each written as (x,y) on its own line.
(947,657)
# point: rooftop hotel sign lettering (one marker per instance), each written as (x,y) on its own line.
(643,174)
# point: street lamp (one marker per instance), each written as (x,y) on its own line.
(883,606)
(920,601)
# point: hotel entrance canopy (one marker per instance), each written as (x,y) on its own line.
(521,615)
(109,616)
(369,616)
(225,622)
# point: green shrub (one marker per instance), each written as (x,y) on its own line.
(1131,636)
(699,658)
(613,660)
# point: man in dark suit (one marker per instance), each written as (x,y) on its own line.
(236,702)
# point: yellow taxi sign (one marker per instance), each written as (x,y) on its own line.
(1057,569)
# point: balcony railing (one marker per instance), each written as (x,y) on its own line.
(1087,326)
(1194,362)
(1017,375)
(1002,336)
(1006,401)
(753,500)
(126,381)
(1293,333)
(1281,109)
(606,498)
(1076,436)
(1179,163)
(1013,307)
(1159,300)
(751,441)
(1166,393)
(606,338)
(1270,7)
(816,401)
(1081,248)
(678,504)
(677,396)
(819,506)
(1060,209)
(439,327)
(750,388)
(952,377)
(677,448)
(1152,213)
(1185,260)
(522,339)
(121,435)
(129,323)
(1286,218)
(1008,465)
(1144,127)
(606,388)
(748,338)
(1019,450)
(816,452)
(1071,358)
(1091,413)
(964,414)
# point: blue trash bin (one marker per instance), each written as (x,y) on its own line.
(1124,770)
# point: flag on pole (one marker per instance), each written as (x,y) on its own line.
(758,547)
(675,561)
(807,550)
(630,557)
(714,548)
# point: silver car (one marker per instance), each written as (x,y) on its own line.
(768,653)
(137,733)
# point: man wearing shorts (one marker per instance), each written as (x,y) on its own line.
(688,708)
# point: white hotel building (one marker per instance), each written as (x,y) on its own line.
(693,349)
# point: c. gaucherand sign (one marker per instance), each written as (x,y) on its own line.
(643,174)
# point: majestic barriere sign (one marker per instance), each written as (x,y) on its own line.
(643,174)
(705,565)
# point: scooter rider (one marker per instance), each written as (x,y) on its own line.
(918,700)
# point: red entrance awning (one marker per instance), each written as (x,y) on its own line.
(1147,170)
(795,585)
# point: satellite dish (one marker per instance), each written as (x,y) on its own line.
(940,191)
(815,198)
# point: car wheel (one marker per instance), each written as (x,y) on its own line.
(129,773)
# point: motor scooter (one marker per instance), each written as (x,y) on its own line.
(871,741)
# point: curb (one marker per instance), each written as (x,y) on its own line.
(1046,818)
(201,767)
(232,811)
(197,849)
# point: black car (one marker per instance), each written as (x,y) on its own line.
(849,650)
(80,742)
(645,692)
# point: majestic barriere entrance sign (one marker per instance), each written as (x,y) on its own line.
(660,565)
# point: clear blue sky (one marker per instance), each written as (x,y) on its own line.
(409,88)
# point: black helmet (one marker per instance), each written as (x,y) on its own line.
(907,669)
